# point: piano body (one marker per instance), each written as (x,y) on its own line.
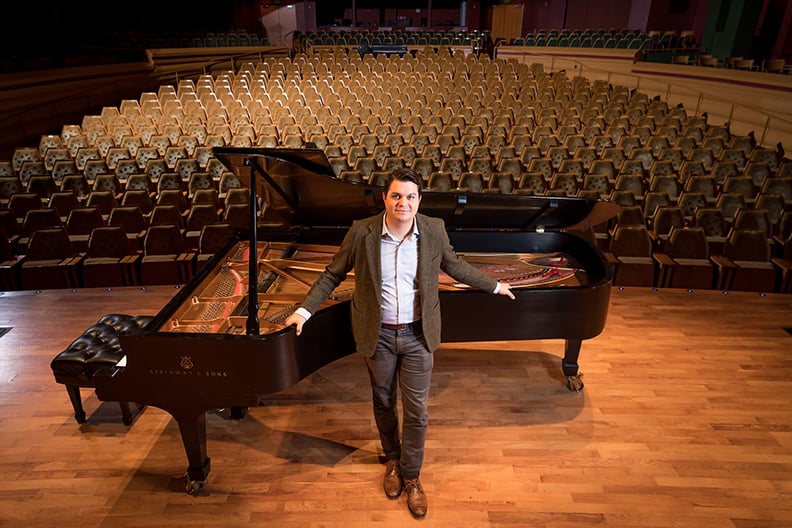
(207,349)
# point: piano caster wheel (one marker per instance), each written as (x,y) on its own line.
(193,486)
(574,383)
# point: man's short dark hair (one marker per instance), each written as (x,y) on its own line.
(404,174)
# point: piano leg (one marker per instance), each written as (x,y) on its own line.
(570,364)
(126,415)
(193,433)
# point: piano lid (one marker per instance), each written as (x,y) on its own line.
(300,188)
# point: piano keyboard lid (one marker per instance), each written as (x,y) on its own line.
(300,188)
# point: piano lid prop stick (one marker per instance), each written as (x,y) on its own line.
(252,326)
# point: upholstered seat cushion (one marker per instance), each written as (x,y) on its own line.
(97,348)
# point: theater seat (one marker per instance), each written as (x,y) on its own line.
(10,264)
(79,224)
(745,264)
(164,260)
(109,260)
(684,261)
(630,253)
(50,262)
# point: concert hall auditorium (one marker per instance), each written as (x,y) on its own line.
(175,176)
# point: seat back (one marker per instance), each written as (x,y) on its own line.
(163,240)
(49,244)
(130,218)
(687,243)
(502,182)
(21,203)
(751,218)
(213,238)
(667,217)
(631,241)
(41,218)
(82,220)
(747,244)
(108,242)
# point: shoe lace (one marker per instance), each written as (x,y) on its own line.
(412,483)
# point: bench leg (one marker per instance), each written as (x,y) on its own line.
(76,401)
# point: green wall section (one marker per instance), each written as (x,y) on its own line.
(730,27)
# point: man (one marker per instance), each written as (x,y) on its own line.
(397,256)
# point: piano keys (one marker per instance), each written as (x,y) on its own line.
(201,352)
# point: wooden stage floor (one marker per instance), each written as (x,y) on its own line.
(685,421)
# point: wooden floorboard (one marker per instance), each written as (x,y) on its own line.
(685,421)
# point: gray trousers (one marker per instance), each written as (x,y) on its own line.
(402,360)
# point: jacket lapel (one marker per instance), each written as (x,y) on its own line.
(424,250)
(372,248)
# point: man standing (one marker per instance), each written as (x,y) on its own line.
(397,256)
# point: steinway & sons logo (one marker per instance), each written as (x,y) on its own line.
(188,369)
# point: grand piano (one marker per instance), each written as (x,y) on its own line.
(221,343)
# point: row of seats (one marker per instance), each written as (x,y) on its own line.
(684,260)
(587,38)
(470,38)
(239,37)
(609,38)
(21,213)
(52,260)
(187,174)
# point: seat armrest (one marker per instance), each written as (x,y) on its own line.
(611,258)
(666,267)
(69,269)
(129,264)
(785,266)
(186,262)
(725,271)
(777,245)
(663,259)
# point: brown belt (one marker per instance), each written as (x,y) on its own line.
(413,325)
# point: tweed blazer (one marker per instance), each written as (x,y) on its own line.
(360,250)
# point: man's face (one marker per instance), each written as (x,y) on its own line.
(402,200)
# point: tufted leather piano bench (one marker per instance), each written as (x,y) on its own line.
(96,349)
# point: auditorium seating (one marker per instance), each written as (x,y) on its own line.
(464,122)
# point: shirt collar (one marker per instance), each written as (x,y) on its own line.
(386,231)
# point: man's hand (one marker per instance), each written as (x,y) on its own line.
(295,320)
(504,289)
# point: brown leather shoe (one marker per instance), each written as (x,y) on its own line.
(392,483)
(416,498)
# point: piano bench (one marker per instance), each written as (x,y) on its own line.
(95,350)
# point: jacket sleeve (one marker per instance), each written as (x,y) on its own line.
(334,273)
(460,270)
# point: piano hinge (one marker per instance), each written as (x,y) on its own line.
(461,202)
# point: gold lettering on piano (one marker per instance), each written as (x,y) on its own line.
(187,365)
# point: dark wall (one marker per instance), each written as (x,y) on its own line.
(607,14)
(676,15)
